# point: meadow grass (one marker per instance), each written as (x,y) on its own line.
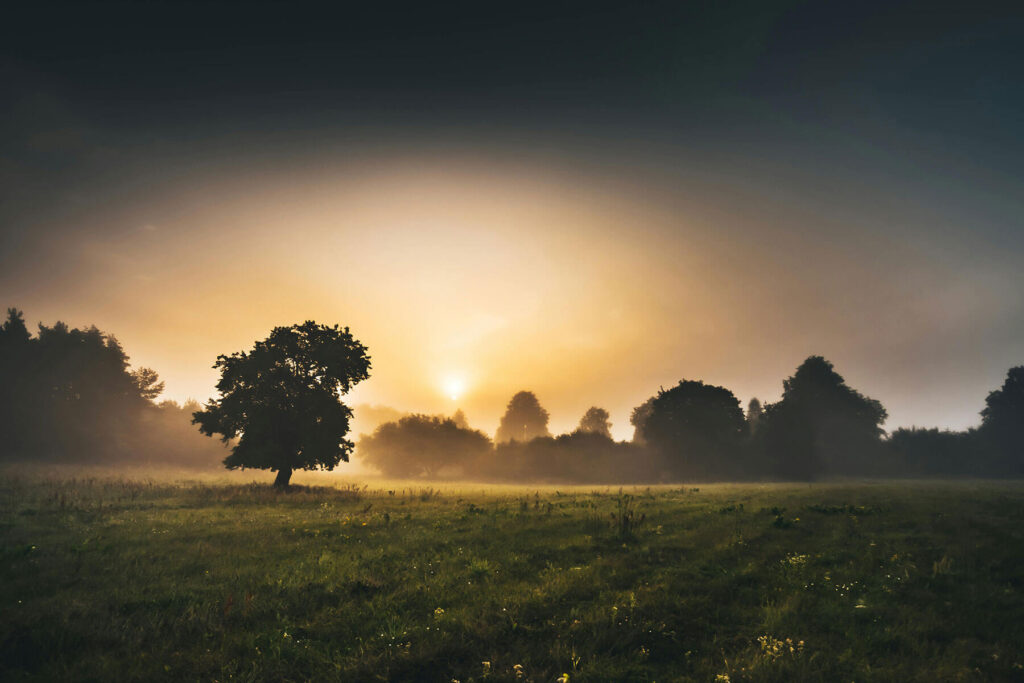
(138,577)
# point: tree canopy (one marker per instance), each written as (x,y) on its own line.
(281,400)
(821,425)
(524,419)
(638,418)
(69,395)
(697,428)
(423,445)
(596,421)
(460,420)
(1002,422)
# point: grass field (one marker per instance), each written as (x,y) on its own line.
(106,578)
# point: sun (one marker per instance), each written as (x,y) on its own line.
(454,387)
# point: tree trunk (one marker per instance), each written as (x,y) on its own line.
(284,475)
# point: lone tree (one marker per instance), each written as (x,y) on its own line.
(524,419)
(596,421)
(282,400)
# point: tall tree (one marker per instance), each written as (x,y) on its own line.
(754,413)
(698,429)
(14,330)
(596,421)
(821,425)
(282,400)
(19,392)
(524,419)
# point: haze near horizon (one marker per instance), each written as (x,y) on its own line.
(589,224)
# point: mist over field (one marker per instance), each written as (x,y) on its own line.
(209,577)
(535,342)
(71,396)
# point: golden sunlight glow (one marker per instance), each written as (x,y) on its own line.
(454,387)
(584,291)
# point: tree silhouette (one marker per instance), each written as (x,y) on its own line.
(14,330)
(821,425)
(638,418)
(147,382)
(1002,422)
(282,400)
(422,445)
(754,414)
(21,409)
(68,393)
(524,419)
(596,421)
(922,452)
(698,429)
(459,418)
(575,457)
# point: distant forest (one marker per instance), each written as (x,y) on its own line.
(70,395)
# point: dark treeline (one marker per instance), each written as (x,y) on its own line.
(820,428)
(69,395)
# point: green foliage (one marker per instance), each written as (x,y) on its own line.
(281,399)
(625,519)
(153,579)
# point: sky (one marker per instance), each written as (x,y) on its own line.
(587,200)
